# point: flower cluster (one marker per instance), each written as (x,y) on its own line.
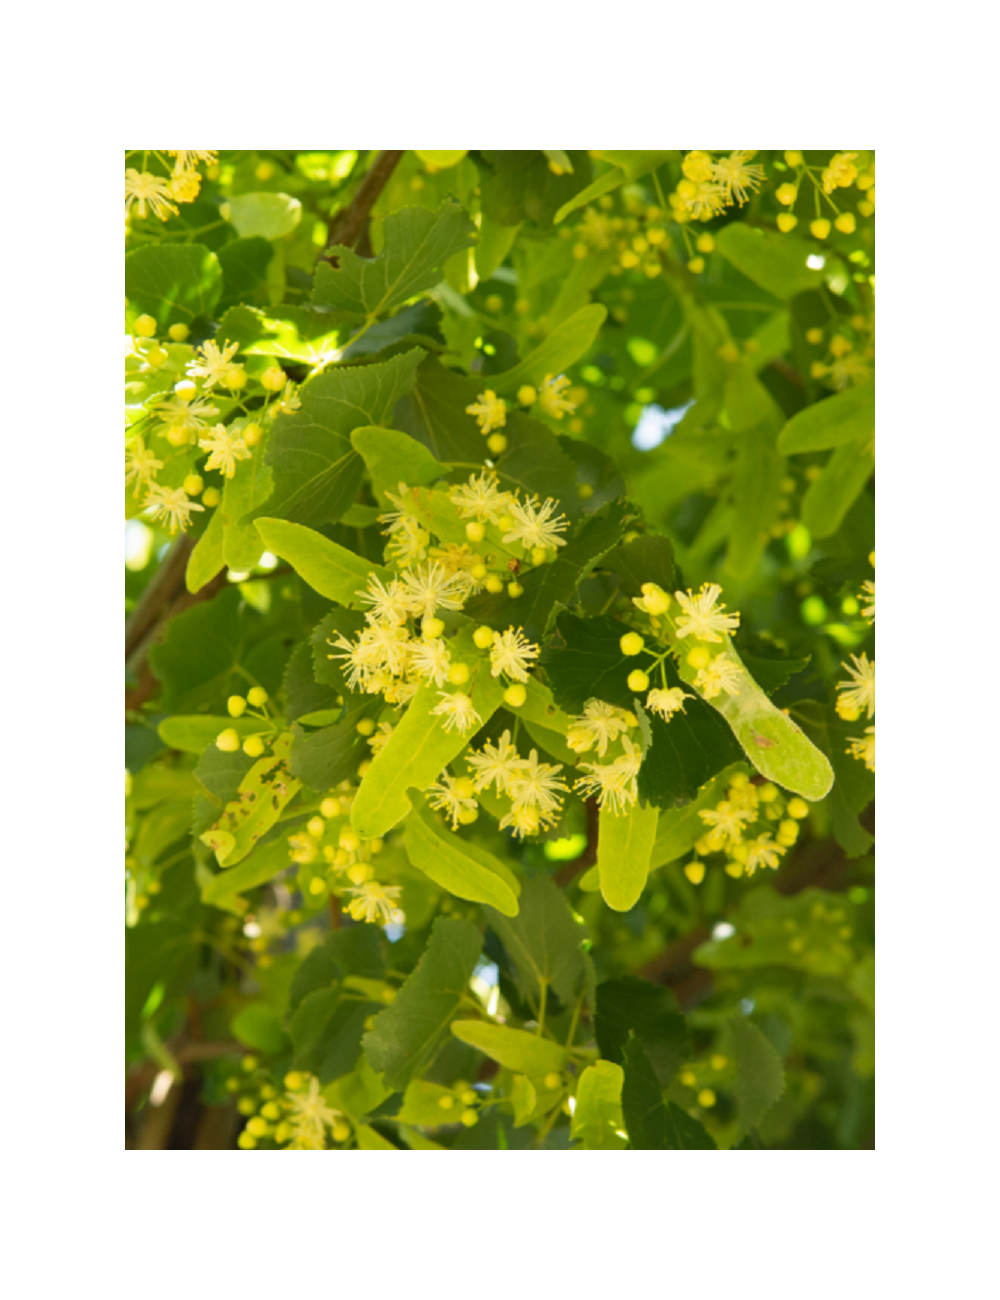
(841,172)
(535,789)
(159,194)
(710,185)
(857,695)
(210,383)
(753,826)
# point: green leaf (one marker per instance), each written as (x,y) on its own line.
(544,941)
(598,1122)
(422,1105)
(193,732)
(370,1139)
(679,828)
(244,265)
(683,753)
(420,748)
(495,242)
(259,1026)
(642,1100)
(249,488)
(316,470)
(567,343)
(197,658)
(776,747)
(854,787)
(261,801)
(515,1049)
(518,184)
(624,846)
(554,584)
(173,283)
(642,560)
(288,333)
(536,463)
(208,557)
(418,323)
(772,260)
(683,1132)
(760,1075)
(605,184)
(586,662)
(332,570)
(323,758)
(629,1005)
(842,418)
(843,479)
(393,457)
(636,163)
(406,1035)
(434,413)
(266,862)
(457,865)
(355,950)
(524,1098)
(264,215)
(417,243)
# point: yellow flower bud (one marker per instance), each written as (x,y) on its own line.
(212,496)
(632,643)
(497,443)
(514,589)
(695,872)
(252,434)
(145,326)
(846,223)
(483,637)
(316,826)
(475,531)
(787,221)
(330,807)
(527,395)
(236,705)
(366,727)
(253,746)
(700,657)
(178,333)
(515,695)
(228,741)
(257,696)
(820,228)
(638,680)
(432,628)
(458,674)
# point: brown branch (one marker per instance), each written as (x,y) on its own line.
(172,599)
(350,221)
(160,592)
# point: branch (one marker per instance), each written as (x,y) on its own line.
(350,221)
(160,592)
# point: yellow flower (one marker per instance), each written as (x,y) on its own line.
(697,165)
(457,710)
(140,465)
(737,175)
(497,764)
(615,783)
(511,654)
(537,785)
(600,725)
(667,703)
(184,186)
(480,498)
(142,188)
(868,593)
(214,363)
(701,617)
(718,676)
(226,449)
(534,525)
(189,158)
(761,852)
(702,201)
(864,748)
(490,411)
(387,602)
(430,587)
(172,505)
(430,660)
(550,397)
(374,902)
(839,172)
(453,796)
(859,692)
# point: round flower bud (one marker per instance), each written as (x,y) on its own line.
(249,1064)
(253,746)
(479,572)
(252,433)
(696,265)
(469,1097)
(632,643)
(178,333)
(527,395)
(846,223)
(431,628)
(483,637)
(793,157)
(193,485)
(786,194)
(584,491)
(539,555)
(638,680)
(820,228)
(787,221)
(316,826)
(186,390)
(366,727)
(706,1097)
(257,696)
(330,807)
(494,584)
(465,788)
(814,336)
(798,808)
(458,674)
(145,326)
(699,657)
(270,1111)
(236,705)
(235,377)
(467,816)
(514,589)
(349,840)
(273,379)
(212,496)
(359,873)
(156,357)
(515,695)
(475,531)
(695,872)
(767,793)
(705,243)
(294,1080)
(446,1102)
(246,1141)
(497,443)
(470,1118)
(317,886)
(228,741)
(553,1080)
(340,1131)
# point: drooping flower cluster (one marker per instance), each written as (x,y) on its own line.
(535,789)
(159,194)
(752,826)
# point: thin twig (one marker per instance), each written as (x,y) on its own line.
(350,221)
